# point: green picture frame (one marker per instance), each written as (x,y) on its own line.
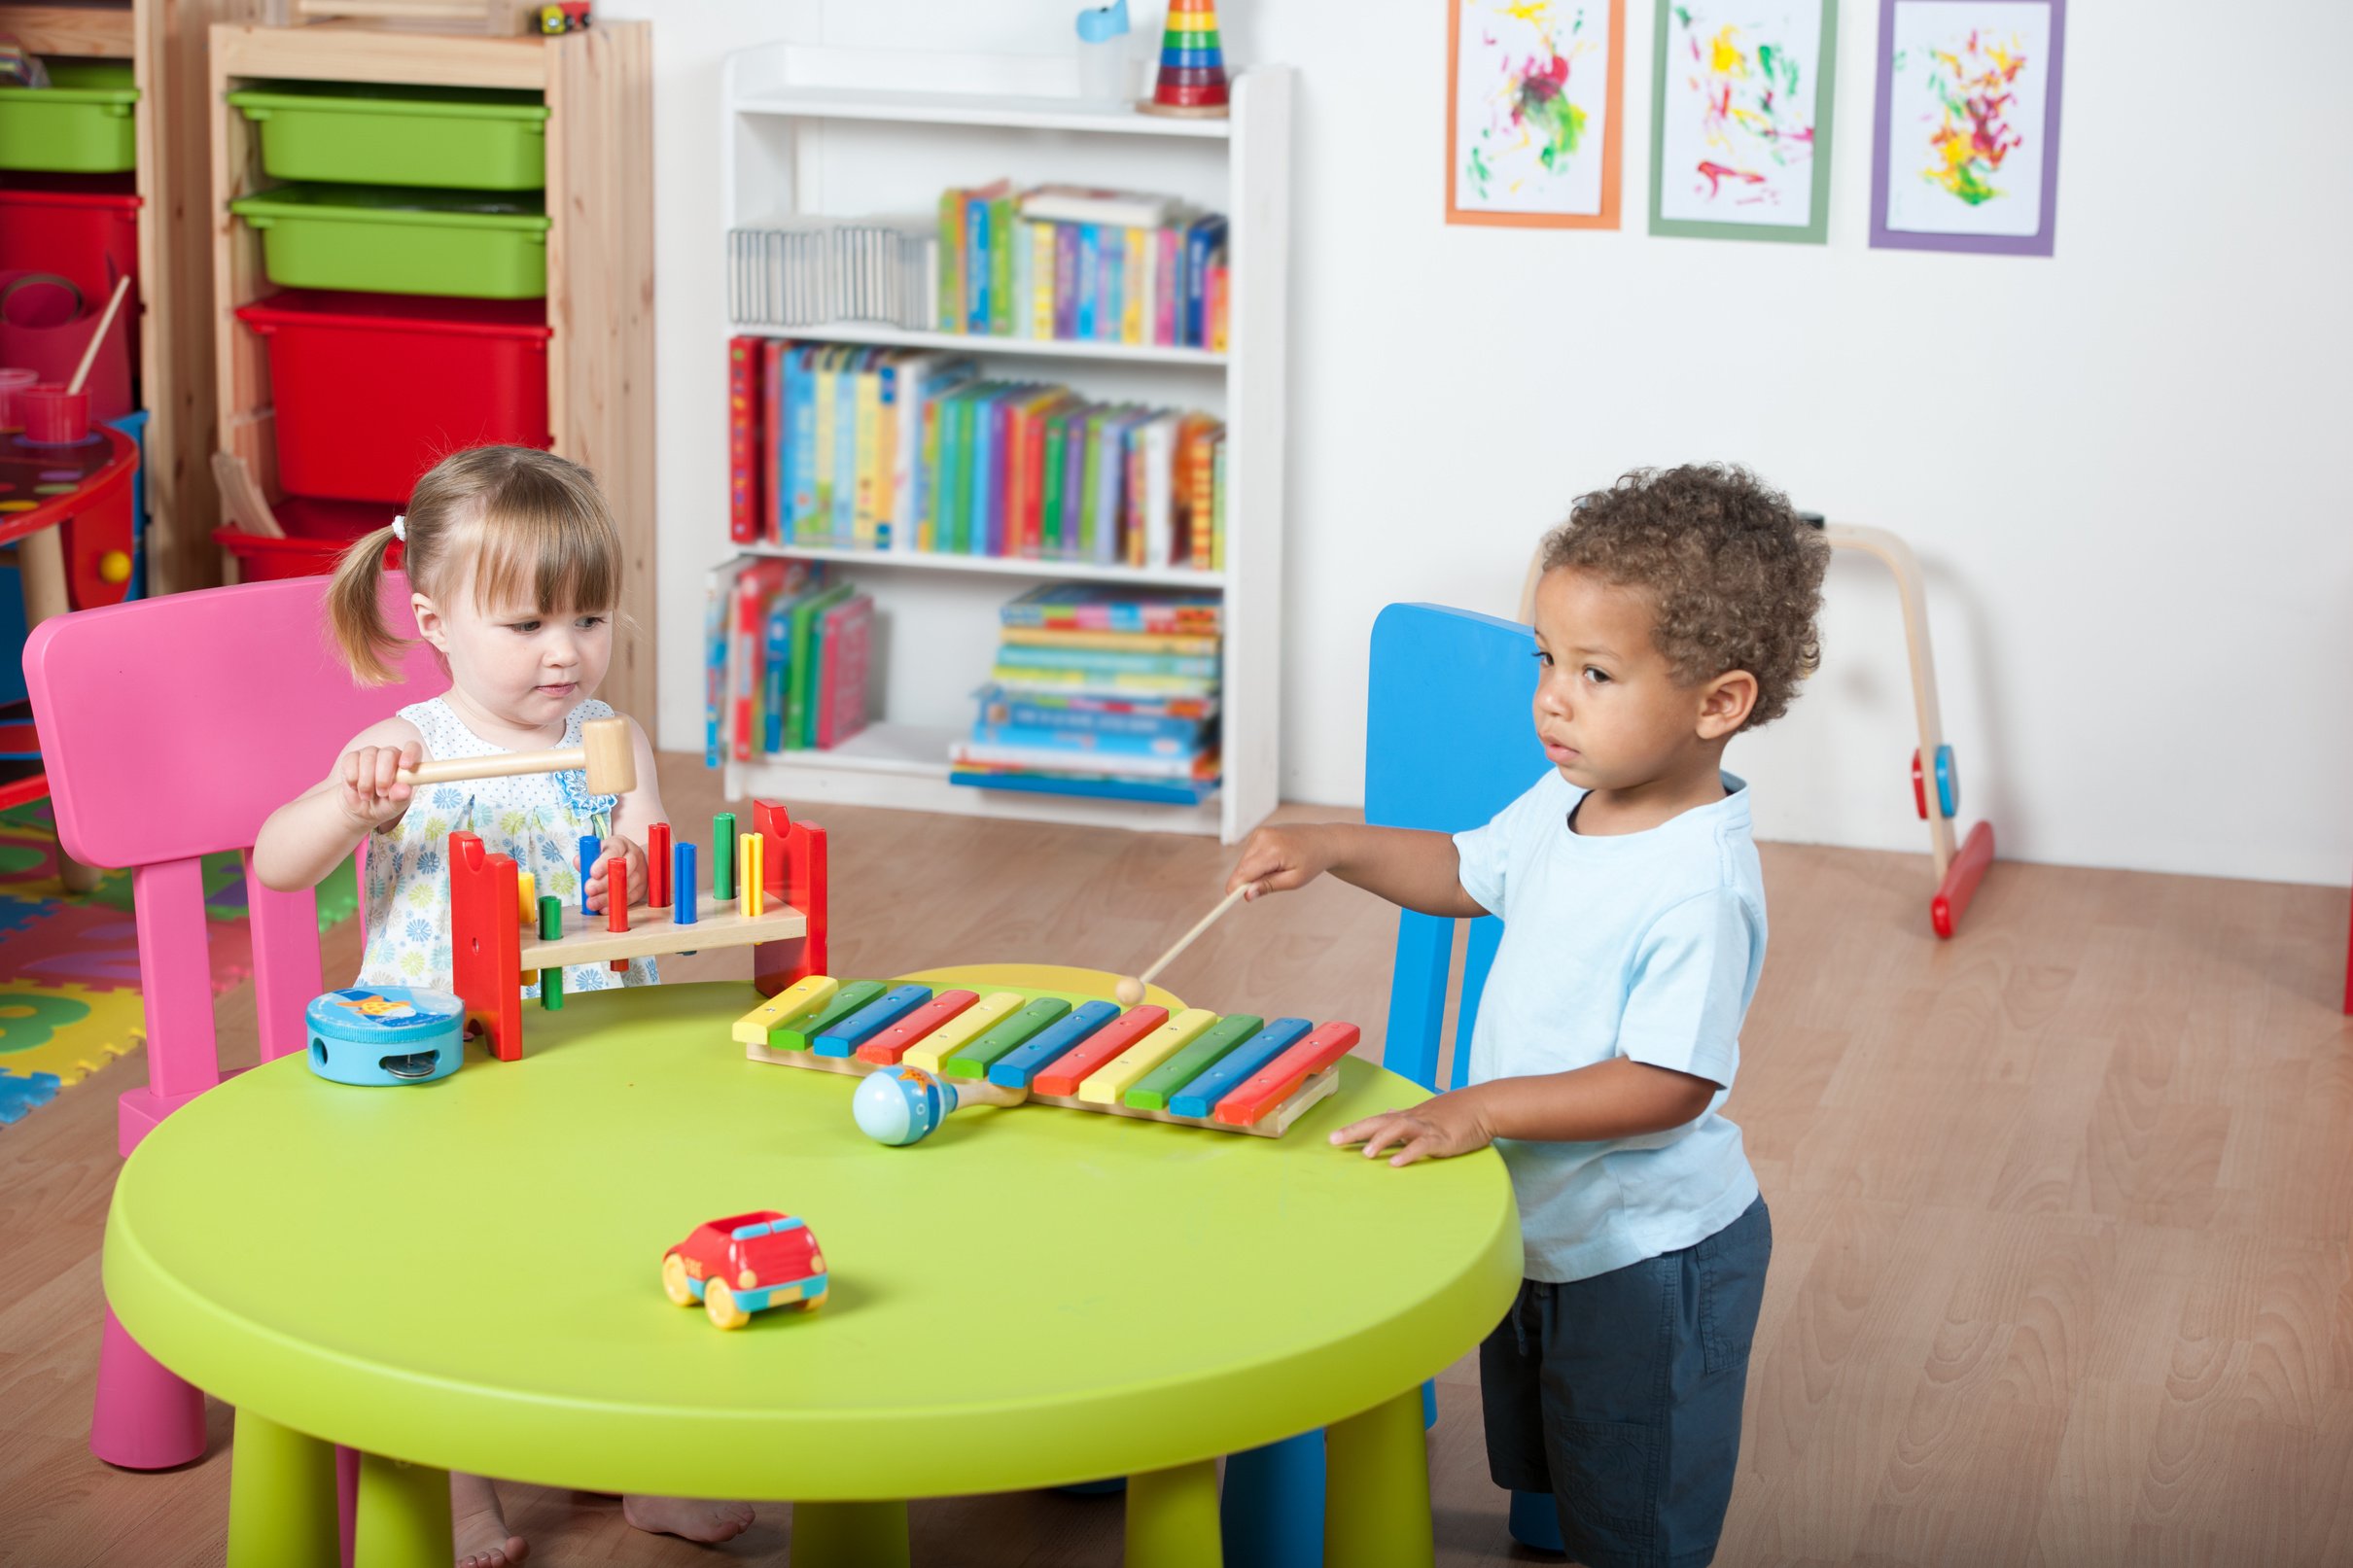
(1667,34)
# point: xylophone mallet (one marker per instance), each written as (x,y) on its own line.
(1130,992)
(902,1106)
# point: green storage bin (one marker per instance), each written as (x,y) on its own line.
(393,240)
(470,138)
(80,124)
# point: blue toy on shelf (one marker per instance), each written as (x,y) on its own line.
(385,1034)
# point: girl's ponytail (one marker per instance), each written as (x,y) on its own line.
(355,610)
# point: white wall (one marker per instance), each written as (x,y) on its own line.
(2113,462)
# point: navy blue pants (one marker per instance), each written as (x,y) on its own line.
(1621,1396)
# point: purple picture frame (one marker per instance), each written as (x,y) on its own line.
(2038,243)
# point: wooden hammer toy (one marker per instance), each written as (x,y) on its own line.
(604,753)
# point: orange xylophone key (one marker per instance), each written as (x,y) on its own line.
(892,1043)
(1273,1084)
(1066,1072)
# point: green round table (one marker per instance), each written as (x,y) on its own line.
(464,1274)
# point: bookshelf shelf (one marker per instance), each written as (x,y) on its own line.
(1043,348)
(972,109)
(905,766)
(829,133)
(999,565)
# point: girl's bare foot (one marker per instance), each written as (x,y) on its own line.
(479,1530)
(696,1518)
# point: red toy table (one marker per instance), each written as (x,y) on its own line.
(67,509)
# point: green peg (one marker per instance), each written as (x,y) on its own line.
(723,857)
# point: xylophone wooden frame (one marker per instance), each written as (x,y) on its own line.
(487,949)
(1316,1086)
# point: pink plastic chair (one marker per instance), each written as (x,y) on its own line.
(170,728)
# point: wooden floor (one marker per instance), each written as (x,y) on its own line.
(2061,1210)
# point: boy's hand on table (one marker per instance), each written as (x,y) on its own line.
(631,859)
(1437,1128)
(1281,859)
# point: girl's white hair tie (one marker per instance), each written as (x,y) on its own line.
(400,528)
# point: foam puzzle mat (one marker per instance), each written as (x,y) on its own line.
(69,963)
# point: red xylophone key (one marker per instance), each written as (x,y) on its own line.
(1276,1082)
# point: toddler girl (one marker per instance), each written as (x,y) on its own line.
(515,566)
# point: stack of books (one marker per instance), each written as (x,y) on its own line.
(1060,262)
(1100,691)
(842,446)
(816,270)
(787,658)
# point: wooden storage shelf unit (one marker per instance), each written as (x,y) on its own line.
(165,41)
(845,133)
(600,253)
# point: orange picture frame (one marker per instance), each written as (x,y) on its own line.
(1613,119)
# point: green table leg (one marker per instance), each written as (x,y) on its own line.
(1376,1488)
(1172,1518)
(849,1535)
(403,1517)
(281,1496)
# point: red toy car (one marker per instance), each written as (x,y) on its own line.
(746,1264)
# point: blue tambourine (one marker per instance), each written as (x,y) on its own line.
(386,1034)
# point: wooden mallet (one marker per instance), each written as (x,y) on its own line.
(1130,992)
(604,753)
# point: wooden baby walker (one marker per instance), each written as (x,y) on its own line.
(1936,782)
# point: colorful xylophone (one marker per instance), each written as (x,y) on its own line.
(1235,1075)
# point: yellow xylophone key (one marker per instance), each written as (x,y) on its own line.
(965,1027)
(1118,1075)
(802,996)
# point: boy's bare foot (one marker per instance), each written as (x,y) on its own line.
(477,1527)
(696,1518)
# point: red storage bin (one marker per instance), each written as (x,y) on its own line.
(84,227)
(370,390)
(317,533)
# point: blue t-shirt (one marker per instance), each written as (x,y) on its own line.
(1638,945)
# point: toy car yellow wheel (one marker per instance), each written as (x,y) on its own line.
(810,1303)
(720,1301)
(674,1280)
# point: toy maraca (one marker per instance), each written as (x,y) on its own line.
(903,1105)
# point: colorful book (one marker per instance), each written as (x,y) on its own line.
(953,315)
(1159,791)
(1195,643)
(719,599)
(1066,279)
(1089,280)
(1079,204)
(800,701)
(1043,271)
(848,637)
(1202,237)
(800,461)
(744,423)
(1135,298)
(1096,607)
(1002,249)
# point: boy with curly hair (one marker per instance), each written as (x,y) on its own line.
(1674,610)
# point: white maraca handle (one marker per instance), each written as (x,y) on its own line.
(902,1106)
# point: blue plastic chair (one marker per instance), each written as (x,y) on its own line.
(1449,742)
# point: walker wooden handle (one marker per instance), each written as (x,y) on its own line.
(604,753)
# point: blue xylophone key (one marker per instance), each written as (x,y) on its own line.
(1200,1096)
(1017,1067)
(843,1038)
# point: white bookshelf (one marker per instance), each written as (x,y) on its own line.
(813,131)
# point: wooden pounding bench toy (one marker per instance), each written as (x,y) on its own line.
(776,907)
(1237,1075)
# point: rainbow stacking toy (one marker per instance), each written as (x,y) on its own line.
(1191,83)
